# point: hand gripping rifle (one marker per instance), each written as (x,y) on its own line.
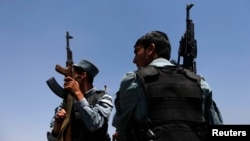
(59,91)
(188,45)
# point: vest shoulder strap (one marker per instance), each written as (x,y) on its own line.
(94,98)
(147,71)
(150,72)
(191,75)
(143,74)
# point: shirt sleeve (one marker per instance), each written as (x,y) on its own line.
(210,109)
(95,116)
(50,137)
(130,104)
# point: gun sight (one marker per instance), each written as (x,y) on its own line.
(189,6)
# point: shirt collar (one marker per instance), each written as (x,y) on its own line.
(91,91)
(160,62)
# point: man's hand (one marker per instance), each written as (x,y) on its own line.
(59,118)
(72,86)
(115,136)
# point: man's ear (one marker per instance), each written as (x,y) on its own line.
(84,74)
(151,49)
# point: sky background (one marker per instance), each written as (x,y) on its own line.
(32,38)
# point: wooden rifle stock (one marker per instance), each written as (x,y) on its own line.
(64,71)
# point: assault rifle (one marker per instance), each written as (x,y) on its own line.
(188,44)
(52,83)
(59,91)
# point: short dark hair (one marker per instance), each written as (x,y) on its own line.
(161,41)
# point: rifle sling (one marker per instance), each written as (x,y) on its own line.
(66,123)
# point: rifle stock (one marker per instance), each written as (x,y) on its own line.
(64,71)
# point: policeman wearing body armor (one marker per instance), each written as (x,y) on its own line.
(161,101)
(92,107)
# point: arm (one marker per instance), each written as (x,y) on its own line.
(95,116)
(130,105)
(50,137)
(210,109)
(56,123)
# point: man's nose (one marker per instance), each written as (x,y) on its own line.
(134,60)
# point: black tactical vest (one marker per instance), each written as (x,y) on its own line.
(174,103)
(80,131)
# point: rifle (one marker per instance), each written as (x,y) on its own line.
(51,82)
(59,91)
(188,44)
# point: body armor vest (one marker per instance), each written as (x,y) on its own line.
(79,130)
(173,97)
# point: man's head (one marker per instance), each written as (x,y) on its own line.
(150,46)
(85,66)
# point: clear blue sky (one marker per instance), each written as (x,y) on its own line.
(32,38)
